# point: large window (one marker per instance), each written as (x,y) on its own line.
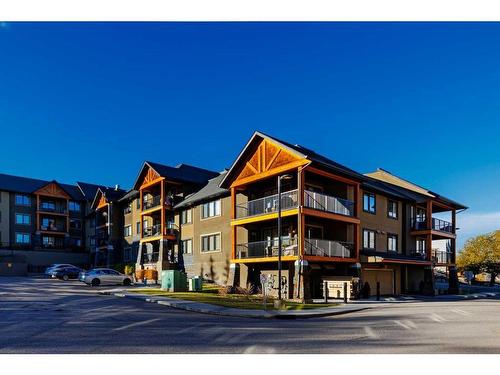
(23,238)
(187,246)
(186,216)
(210,209)
(392,209)
(74,206)
(369,203)
(420,245)
(48,205)
(210,242)
(23,219)
(22,200)
(127,230)
(392,242)
(368,239)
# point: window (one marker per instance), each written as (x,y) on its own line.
(187,246)
(368,239)
(392,242)
(77,242)
(369,204)
(420,245)
(127,209)
(210,242)
(127,230)
(138,227)
(138,203)
(186,217)
(23,200)
(75,224)
(127,254)
(23,238)
(210,209)
(23,219)
(74,206)
(47,205)
(48,241)
(92,241)
(392,209)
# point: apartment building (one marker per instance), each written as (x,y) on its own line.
(131,207)
(42,222)
(203,220)
(160,189)
(337,224)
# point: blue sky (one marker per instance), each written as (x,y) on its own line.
(91,101)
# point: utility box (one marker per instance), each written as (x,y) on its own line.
(173,281)
(195,284)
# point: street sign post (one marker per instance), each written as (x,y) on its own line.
(263,282)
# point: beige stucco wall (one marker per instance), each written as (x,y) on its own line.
(381,223)
(4,218)
(212,265)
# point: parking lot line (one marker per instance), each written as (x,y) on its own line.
(136,324)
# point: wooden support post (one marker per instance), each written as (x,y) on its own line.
(234,228)
(301,233)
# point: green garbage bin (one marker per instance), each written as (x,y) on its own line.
(173,281)
(195,284)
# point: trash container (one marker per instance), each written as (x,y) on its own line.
(195,284)
(174,281)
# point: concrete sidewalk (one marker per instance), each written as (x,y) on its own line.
(206,308)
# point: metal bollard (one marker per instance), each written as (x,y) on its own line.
(378,290)
(345,292)
(325,291)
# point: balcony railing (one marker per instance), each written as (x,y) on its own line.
(442,257)
(417,254)
(269,204)
(328,248)
(151,202)
(328,203)
(437,224)
(155,230)
(150,257)
(52,209)
(53,228)
(267,249)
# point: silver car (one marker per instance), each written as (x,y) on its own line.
(104,276)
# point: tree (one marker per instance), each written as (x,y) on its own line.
(481,254)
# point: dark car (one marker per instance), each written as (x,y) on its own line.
(66,273)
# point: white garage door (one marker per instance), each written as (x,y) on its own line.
(385,277)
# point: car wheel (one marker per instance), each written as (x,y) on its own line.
(127,282)
(95,282)
(65,277)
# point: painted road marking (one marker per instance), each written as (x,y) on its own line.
(461,312)
(136,324)
(405,324)
(371,333)
(438,318)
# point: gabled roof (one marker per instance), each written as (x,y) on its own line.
(111,195)
(298,150)
(405,187)
(89,190)
(27,185)
(129,195)
(179,173)
(209,191)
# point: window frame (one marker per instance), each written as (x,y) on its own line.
(208,203)
(24,234)
(73,203)
(395,237)
(215,234)
(24,216)
(374,239)
(129,226)
(183,248)
(23,203)
(369,195)
(396,203)
(185,213)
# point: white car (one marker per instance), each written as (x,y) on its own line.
(104,276)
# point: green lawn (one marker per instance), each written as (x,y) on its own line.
(210,294)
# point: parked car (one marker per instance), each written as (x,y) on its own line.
(104,276)
(53,267)
(441,282)
(66,273)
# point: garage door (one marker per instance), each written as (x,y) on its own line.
(385,277)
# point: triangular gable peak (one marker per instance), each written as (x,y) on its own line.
(147,176)
(263,159)
(100,200)
(52,189)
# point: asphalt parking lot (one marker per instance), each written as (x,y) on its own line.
(52,316)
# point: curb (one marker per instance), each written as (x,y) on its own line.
(224,311)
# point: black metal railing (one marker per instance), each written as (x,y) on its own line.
(269,204)
(53,228)
(150,257)
(52,209)
(421,254)
(152,231)
(437,224)
(442,257)
(151,202)
(266,249)
(328,203)
(328,248)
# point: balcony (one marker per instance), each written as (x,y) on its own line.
(442,257)
(151,202)
(150,257)
(53,228)
(437,224)
(267,205)
(267,249)
(171,229)
(328,248)
(328,203)
(51,208)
